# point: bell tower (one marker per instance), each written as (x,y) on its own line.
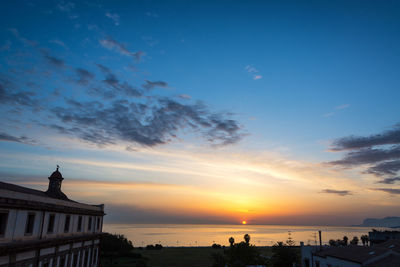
(55,181)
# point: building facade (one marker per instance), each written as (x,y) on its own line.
(46,229)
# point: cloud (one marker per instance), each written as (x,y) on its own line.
(391,180)
(387,167)
(111,44)
(60,43)
(151,85)
(253,72)
(53,60)
(355,142)
(22,39)
(10,138)
(84,76)
(379,154)
(152,14)
(368,156)
(392,191)
(342,106)
(337,192)
(10,96)
(184,96)
(65,6)
(114,17)
(329,114)
(142,124)
(112,81)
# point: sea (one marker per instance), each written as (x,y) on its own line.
(192,235)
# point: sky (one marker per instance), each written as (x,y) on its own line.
(208,112)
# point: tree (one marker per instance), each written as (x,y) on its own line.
(247,238)
(345,240)
(238,255)
(364,240)
(290,242)
(113,245)
(332,243)
(284,255)
(354,241)
(231,241)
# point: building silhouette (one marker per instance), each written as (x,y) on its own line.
(46,229)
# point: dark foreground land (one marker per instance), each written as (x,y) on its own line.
(173,257)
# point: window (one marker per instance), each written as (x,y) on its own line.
(90,224)
(66,224)
(50,225)
(98,223)
(80,223)
(3,222)
(30,222)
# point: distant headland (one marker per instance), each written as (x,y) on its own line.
(392,222)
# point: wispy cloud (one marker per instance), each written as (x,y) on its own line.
(112,44)
(22,39)
(337,108)
(392,191)
(21,139)
(342,106)
(60,43)
(58,62)
(391,137)
(184,96)
(337,192)
(84,76)
(143,125)
(151,85)
(391,180)
(114,16)
(65,6)
(379,154)
(253,72)
(152,14)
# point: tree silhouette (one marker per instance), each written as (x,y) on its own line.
(231,241)
(364,240)
(354,241)
(345,240)
(247,238)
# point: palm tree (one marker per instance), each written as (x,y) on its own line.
(246,238)
(231,241)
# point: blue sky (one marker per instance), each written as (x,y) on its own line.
(120,91)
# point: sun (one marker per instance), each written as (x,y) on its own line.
(244,222)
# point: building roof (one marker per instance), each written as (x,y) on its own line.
(21,189)
(358,254)
(392,260)
(15,196)
(391,244)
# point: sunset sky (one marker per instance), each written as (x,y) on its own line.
(273,112)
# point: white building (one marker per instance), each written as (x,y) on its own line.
(46,229)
